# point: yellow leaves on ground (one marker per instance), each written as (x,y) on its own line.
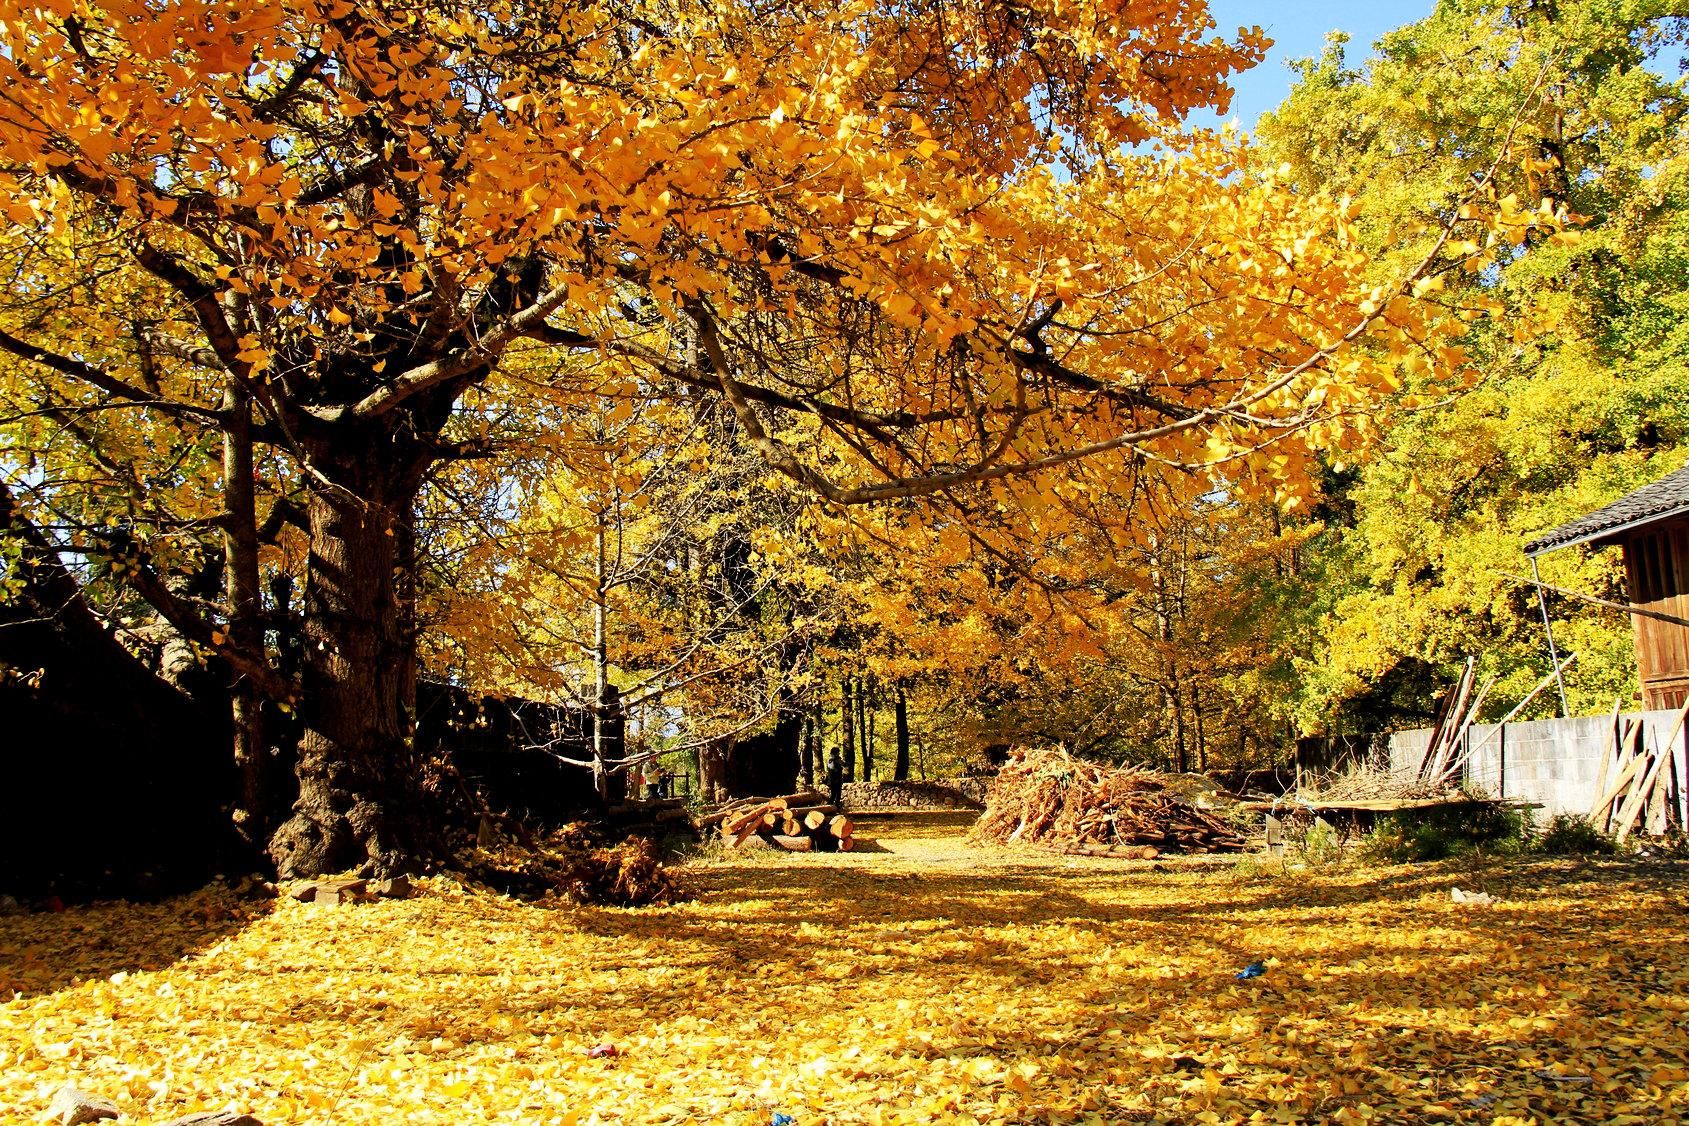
(925,983)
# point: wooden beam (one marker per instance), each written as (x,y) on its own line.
(1623,607)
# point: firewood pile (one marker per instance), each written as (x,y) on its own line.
(1047,797)
(800,822)
(656,818)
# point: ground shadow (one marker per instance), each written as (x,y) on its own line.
(51,950)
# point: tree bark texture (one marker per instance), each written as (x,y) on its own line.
(359,803)
(252,817)
(712,768)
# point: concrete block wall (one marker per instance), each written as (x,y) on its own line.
(1551,762)
(1407,749)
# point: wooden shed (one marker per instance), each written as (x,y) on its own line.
(1651,527)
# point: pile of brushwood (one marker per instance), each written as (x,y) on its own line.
(1046,797)
(1362,781)
(577,864)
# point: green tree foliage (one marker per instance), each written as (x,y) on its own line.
(1584,392)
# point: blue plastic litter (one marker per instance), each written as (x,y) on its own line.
(781,1120)
(1253,969)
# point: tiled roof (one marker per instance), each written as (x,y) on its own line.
(1667,497)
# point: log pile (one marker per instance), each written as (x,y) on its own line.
(953,793)
(800,822)
(656,818)
(1049,798)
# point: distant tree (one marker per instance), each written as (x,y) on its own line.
(1583,389)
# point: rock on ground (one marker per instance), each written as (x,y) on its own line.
(72,1107)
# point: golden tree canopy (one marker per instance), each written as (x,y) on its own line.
(912,226)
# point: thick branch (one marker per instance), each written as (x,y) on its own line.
(196,628)
(203,297)
(286,512)
(338,185)
(479,354)
(183,350)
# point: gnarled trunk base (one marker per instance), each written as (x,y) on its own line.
(360,802)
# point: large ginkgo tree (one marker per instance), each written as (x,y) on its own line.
(260,252)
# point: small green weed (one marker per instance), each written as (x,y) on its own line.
(1320,847)
(1568,834)
(1442,832)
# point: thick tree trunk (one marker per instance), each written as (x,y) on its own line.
(712,768)
(359,803)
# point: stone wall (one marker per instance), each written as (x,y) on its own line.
(1551,762)
(951,793)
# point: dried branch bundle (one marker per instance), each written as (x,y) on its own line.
(1046,796)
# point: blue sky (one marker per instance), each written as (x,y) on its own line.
(1298,29)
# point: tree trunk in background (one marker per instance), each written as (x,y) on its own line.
(863,731)
(817,746)
(900,772)
(253,817)
(359,802)
(869,744)
(712,766)
(1201,731)
(806,754)
(1171,689)
(847,731)
(600,667)
(1181,754)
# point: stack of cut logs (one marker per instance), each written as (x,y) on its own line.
(1044,796)
(800,822)
(654,818)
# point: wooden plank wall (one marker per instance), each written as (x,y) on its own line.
(1657,575)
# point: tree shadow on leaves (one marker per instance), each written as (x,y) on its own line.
(47,951)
